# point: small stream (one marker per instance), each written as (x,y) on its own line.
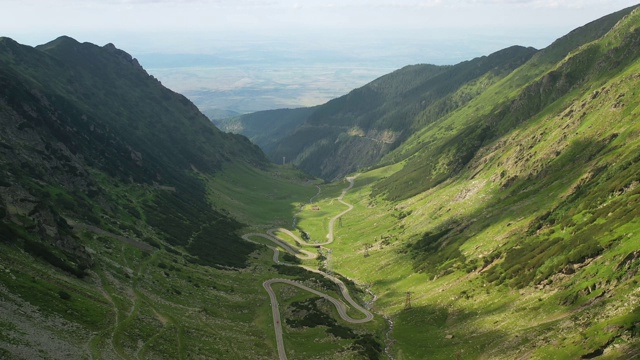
(388,336)
(389,340)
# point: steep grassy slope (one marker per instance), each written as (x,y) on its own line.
(513,221)
(356,130)
(454,141)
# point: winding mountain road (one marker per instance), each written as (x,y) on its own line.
(307,255)
(333,220)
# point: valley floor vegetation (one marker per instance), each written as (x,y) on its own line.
(498,219)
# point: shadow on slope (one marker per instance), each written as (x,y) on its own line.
(533,254)
(421,334)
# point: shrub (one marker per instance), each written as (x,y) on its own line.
(64,295)
(42,251)
(291,258)
(8,233)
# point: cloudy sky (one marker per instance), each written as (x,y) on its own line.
(178,25)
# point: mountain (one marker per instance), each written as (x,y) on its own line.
(72,111)
(218,114)
(501,222)
(266,128)
(107,229)
(508,228)
(496,217)
(357,129)
(526,92)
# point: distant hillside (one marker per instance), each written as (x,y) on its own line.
(266,128)
(356,130)
(219,114)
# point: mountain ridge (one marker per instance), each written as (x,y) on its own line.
(265,134)
(570,73)
(512,221)
(506,227)
(492,216)
(70,124)
(314,140)
(105,210)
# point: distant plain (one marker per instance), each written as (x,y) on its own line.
(254,87)
(244,76)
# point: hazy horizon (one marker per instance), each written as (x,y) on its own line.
(249,55)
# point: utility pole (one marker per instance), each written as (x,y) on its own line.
(407,301)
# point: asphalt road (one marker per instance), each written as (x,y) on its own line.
(304,254)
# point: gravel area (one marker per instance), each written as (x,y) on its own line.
(27,333)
